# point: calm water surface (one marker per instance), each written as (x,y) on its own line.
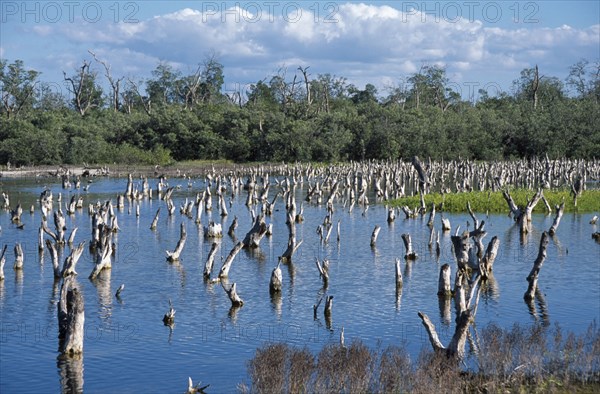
(128,349)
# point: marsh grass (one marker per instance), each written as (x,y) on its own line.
(489,201)
(518,359)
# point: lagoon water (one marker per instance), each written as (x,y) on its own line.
(128,349)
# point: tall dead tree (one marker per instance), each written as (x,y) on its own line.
(532,278)
(71,318)
(115,84)
(83,87)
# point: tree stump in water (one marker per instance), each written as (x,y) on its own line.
(71,318)
(444,282)
(532,278)
(174,255)
(276,279)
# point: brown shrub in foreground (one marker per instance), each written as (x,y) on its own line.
(519,359)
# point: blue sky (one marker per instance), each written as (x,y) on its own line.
(482,44)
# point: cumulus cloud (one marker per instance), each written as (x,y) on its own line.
(363,42)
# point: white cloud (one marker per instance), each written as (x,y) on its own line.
(365,43)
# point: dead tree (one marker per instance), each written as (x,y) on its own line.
(104,253)
(374,235)
(16,214)
(323,268)
(525,218)
(399,280)
(232,227)
(174,255)
(423,177)
(210,260)
(465,316)
(155,220)
(512,206)
(462,247)
(410,253)
(532,278)
(71,261)
(235,299)
(115,84)
(18,257)
(54,256)
(256,233)
(559,212)
(169,317)
(71,318)
(276,279)
(224,272)
(292,245)
(444,282)
(213,230)
(2,262)
(487,262)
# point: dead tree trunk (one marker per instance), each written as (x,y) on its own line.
(444,282)
(487,262)
(71,318)
(2,262)
(410,253)
(210,260)
(423,177)
(462,246)
(18,257)
(235,299)
(559,212)
(224,272)
(174,256)
(399,280)
(155,220)
(431,215)
(276,279)
(71,261)
(514,210)
(256,233)
(374,235)
(532,278)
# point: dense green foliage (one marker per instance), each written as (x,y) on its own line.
(289,118)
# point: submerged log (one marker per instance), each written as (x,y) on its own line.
(532,278)
(71,318)
(174,255)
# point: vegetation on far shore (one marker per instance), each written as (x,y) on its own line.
(519,359)
(490,201)
(290,116)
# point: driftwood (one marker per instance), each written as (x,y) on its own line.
(71,318)
(18,257)
(174,255)
(410,253)
(235,299)
(532,278)
(276,279)
(210,260)
(224,272)
(559,212)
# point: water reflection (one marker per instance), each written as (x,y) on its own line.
(102,284)
(541,301)
(445,307)
(490,288)
(70,370)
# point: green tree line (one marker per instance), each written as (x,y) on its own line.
(291,116)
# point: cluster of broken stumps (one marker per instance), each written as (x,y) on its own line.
(475,270)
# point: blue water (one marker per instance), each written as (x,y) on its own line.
(128,349)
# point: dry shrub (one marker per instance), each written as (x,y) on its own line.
(395,371)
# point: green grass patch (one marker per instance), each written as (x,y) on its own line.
(489,201)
